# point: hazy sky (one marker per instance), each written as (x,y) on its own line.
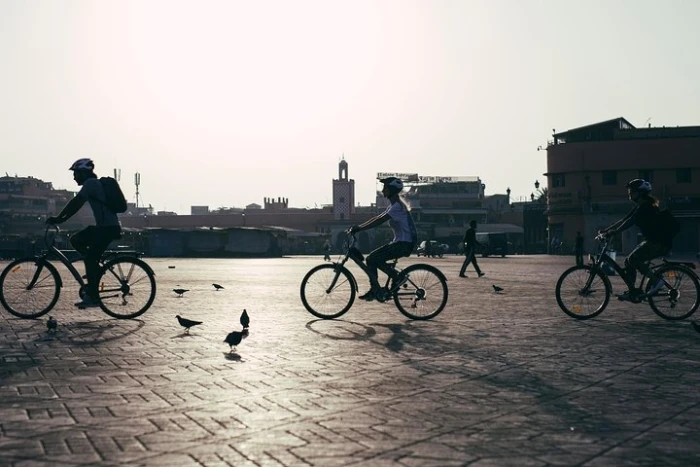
(222,103)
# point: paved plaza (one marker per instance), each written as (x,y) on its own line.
(496,379)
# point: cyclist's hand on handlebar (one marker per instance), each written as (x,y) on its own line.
(354,229)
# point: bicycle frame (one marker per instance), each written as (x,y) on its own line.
(603,257)
(362,265)
(51,250)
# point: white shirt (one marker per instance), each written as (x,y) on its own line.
(401,223)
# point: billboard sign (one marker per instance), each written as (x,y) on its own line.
(415,178)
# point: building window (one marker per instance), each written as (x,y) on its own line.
(609,177)
(647,175)
(683,176)
(558,180)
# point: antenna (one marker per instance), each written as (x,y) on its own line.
(648,120)
(137,182)
(117,174)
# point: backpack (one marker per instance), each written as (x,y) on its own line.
(114,198)
(668,225)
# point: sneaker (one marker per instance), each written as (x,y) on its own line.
(482,274)
(658,286)
(88,302)
(462,275)
(629,295)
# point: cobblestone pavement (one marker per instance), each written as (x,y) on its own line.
(503,379)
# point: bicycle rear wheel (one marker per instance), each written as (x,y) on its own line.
(583,292)
(127,287)
(682,299)
(326,292)
(424,294)
(29,287)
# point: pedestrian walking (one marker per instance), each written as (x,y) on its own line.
(327,250)
(470,244)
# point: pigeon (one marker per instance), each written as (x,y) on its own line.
(52,324)
(179,292)
(245,319)
(234,338)
(218,287)
(497,289)
(696,326)
(187,323)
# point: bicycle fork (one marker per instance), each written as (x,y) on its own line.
(37,273)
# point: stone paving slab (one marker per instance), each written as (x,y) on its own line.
(496,379)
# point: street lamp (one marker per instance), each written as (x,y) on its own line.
(537,185)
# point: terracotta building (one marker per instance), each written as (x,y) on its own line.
(588,168)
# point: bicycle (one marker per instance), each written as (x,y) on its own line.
(30,287)
(419,291)
(584,291)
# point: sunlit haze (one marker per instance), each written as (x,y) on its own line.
(223,103)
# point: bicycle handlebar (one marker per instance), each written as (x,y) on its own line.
(56,229)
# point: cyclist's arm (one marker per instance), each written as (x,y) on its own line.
(71,208)
(373,222)
(623,224)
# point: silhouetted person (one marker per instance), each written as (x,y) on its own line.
(327,251)
(93,240)
(470,244)
(579,249)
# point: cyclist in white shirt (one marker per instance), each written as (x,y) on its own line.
(405,237)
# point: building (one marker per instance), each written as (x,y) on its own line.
(26,202)
(588,168)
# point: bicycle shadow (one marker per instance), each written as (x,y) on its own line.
(340,332)
(90,333)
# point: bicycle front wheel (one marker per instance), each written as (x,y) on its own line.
(682,299)
(424,294)
(583,292)
(328,291)
(127,287)
(29,287)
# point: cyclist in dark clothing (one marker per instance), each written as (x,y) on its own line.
(92,241)
(645,216)
(470,244)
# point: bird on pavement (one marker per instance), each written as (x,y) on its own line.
(234,338)
(218,286)
(187,323)
(696,326)
(497,289)
(245,319)
(179,292)
(52,324)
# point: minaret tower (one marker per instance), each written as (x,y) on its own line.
(343,193)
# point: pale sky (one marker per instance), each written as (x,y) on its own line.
(223,103)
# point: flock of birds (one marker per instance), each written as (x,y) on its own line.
(233,339)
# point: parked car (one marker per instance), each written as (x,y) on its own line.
(435,249)
(492,244)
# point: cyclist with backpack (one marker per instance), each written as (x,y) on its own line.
(405,236)
(657,231)
(105,201)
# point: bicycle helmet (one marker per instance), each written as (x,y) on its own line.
(395,184)
(83,164)
(639,185)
